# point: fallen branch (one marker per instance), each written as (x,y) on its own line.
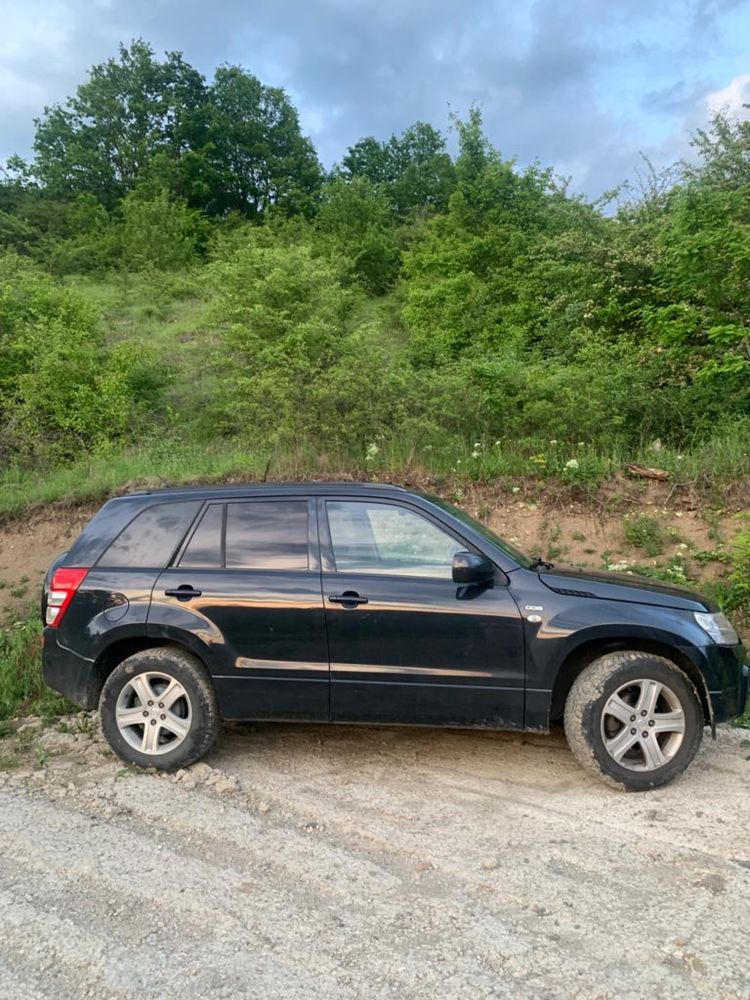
(643,472)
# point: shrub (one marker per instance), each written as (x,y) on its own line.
(157,231)
(61,388)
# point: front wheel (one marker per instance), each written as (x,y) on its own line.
(634,718)
(158,709)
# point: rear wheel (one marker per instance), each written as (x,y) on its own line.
(158,709)
(634,718)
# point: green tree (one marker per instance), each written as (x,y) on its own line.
(414,168)
(257,156)
(128,110)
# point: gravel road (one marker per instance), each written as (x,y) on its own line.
(323,862)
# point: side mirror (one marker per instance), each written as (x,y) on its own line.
(468,567)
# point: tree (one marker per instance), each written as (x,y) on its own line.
(129,109)
(234,145)
(257,155)
(414,168)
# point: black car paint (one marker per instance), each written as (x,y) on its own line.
(419,651)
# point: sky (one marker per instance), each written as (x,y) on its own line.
(584,86)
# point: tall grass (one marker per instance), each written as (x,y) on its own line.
(725,458)
(22,688)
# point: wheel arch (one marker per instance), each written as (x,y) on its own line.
(113,655)
(588,651)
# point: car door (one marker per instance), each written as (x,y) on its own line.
(246,589)
(406,643)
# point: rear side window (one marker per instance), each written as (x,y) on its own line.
(267,535)
(152,537)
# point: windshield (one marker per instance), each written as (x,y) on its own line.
(482,529)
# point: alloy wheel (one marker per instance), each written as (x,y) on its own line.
(153,713)
(643,725)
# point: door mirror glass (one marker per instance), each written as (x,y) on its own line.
(469,567)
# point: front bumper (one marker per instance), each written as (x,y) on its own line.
(726,673)
(66,672)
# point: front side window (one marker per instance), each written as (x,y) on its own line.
(152,537)
(386,538)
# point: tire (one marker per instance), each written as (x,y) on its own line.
(170,691)
(615,701)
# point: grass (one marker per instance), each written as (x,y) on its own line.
(172,460)
(93,477)
(643,532)
(22,688)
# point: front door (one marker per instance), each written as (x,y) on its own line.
(406,643)
(247,585)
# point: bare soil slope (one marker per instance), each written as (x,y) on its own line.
(585,531)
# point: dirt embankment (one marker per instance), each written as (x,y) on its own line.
(582,530)
(316,862)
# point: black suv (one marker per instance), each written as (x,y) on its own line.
(366,603)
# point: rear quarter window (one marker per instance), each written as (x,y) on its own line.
(152,537)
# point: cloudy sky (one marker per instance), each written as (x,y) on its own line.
(582,85)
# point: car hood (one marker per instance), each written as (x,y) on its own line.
(624,587)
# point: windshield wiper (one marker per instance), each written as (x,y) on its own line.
(538,563)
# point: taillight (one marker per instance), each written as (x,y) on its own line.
(65,582)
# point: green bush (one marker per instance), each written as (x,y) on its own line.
(156,231)
(61,388)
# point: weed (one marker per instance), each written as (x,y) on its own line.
(21,682)
(643,532)
(127,772)
(578,536)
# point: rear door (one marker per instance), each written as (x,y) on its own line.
(246,585)
(406,643)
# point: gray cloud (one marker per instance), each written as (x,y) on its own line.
(556,81)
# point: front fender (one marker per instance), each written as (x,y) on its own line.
(563,625)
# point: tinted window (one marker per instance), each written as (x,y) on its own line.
(151,539)
(204,548)
(267,535)
(386,538)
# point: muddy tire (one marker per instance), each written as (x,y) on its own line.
(158,709)
(635,719)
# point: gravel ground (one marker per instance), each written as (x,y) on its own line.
(324,862)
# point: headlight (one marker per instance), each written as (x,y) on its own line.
(718,627)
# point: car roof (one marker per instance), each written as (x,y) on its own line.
(270,489)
